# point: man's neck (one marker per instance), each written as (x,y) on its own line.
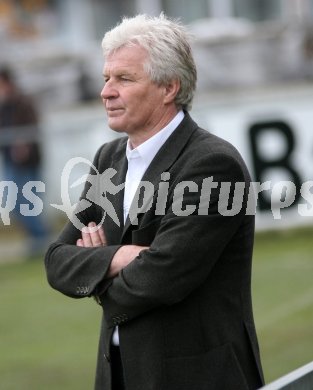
(139,138)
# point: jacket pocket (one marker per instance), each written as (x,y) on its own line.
(217,369)
(146,234)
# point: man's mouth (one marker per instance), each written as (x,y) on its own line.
(114,111)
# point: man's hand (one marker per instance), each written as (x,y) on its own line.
(125,255)
(93,236)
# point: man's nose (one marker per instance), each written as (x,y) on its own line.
(108,91)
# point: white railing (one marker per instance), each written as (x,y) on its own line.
(300,379)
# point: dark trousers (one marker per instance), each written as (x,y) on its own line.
(117,369)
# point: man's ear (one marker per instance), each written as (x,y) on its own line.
(171,90)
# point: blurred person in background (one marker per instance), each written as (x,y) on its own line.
(19,143)
(174,279)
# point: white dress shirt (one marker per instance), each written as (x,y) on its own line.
(139,160)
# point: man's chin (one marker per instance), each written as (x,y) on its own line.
(115,126)
(117,130)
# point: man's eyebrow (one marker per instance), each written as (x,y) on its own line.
(119,71)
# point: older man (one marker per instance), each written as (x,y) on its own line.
(173,273)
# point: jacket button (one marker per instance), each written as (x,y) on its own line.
(106,357)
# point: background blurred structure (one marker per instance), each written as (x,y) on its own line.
(255,88)
(53,44)
(272,39)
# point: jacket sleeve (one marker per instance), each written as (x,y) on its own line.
(185,247)
(76,271)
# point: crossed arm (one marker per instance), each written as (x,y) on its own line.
(92,237)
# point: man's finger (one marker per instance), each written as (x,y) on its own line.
(86,237)
(102,236)
(80,242)
(94,233)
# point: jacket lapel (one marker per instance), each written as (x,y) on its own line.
(119,164)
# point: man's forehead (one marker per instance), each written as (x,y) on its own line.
(124,64)
(132,53)
(125,68)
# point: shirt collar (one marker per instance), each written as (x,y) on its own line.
(148,149)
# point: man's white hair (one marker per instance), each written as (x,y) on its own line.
(168,45)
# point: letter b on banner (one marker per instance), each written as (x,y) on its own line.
(282,161)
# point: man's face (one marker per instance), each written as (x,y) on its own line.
(134,104)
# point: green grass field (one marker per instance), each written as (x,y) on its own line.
(49,342)
(283,299)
